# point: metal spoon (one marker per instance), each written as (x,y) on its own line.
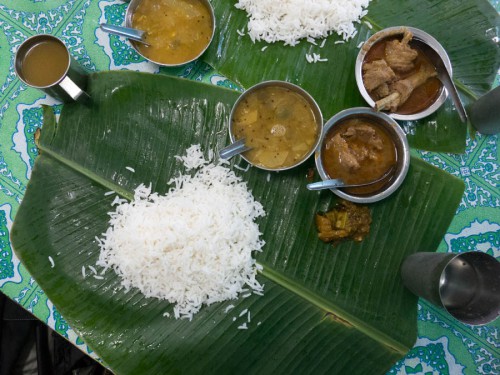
(233,149)
(127,32)
(445,77)
(337,183)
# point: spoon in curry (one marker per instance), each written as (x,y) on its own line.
(445,77)
(233,149)
(127,32)
(337,183)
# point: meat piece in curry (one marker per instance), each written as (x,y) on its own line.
(351,154)
(399,55)
(345,221)
(346,156)
(401,90)
(376,74)
(366,133)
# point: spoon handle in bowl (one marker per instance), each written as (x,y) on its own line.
(233,149)
(327,184)
(452,90)
(127,32)
(445,77)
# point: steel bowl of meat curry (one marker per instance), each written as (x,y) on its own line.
(360,146)
(394,74)
(279,123)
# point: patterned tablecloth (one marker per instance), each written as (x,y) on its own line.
(444,346)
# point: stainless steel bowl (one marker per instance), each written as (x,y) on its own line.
(128,23)
(314,106)
(422,37)
(397,135)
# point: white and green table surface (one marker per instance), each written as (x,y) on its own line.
(444,345)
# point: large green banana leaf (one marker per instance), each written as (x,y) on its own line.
(326,309)
(465,29)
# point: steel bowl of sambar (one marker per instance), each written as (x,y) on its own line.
(360,145)
(395,75)
(280,123)
(176,32)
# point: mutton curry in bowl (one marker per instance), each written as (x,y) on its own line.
(361,145)
(394,74)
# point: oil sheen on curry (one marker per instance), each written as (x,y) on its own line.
(278,124)
(177,31)
(359,150)
(399,77)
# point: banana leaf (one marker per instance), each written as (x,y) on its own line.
(325,309)
(466,29)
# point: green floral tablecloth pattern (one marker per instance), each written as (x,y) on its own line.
(444,346)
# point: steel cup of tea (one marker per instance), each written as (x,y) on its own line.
(466,285)
(44,62)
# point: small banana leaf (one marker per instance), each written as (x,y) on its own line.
(464,28)
(325,309)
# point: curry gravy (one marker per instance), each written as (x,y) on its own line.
(359,150)
(177,31)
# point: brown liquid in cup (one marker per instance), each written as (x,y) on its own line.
(45,63)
